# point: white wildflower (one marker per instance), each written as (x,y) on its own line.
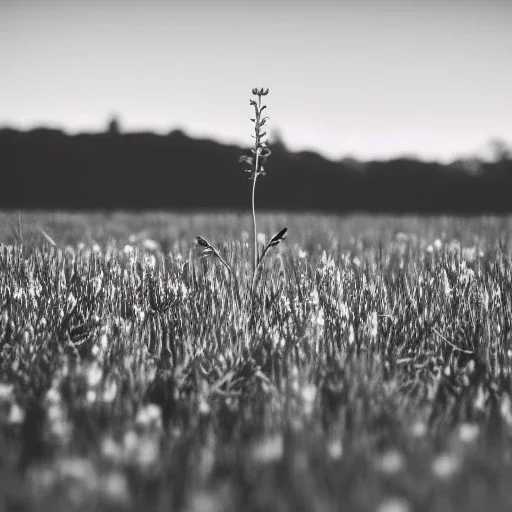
(468,432)
(327,263)
(374,325)
(204,407)
(454,246)
(466,274)
(109,392)
(335,449)
(112,450)
(302,254)
(446,282)
(309,392)
(391,462)
(53,396)
(149,261)
(16,415)
(469,253)
(149,417)
(319,319)
(344,311)
(419,429)
(6,392)
(70,302)
(97,283)
(444,466)
(506,409)
(268,450)
(313,297)
(141,450)
(351,334)
(394,504)
(114,487)
(139,313)
(94,374)
(58,428)
(481,399)
(150,245)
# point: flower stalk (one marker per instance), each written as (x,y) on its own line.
(254,164)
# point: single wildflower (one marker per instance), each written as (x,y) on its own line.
(374,325)
(314,299)
(151,245)
(469,253)
(444,466)
(149,261)
(468,432)
(94,374)
(109,392)
(6,392)
(351,334)
(261,238)
(419,429)
(309,392)
(114,487)
(268,450)
(394,504)
(335,449)
(390,462)
(506,409)
(141,450)
(446,283)
(149,417)
(319,319)
(16,415)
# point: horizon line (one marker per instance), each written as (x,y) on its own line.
(227,141)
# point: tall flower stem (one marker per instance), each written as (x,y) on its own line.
(254,164)
(254,233)
(255,177)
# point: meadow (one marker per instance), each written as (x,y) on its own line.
(370,370)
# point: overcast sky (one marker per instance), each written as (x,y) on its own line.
(348,77)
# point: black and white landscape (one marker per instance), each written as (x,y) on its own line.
(216,296)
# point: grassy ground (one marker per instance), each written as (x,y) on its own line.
(374,376)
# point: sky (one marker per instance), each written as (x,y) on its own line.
(347,78)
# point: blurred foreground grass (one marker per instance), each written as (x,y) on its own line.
(375,375)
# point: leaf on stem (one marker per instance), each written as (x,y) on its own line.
(202,242)
(278,237)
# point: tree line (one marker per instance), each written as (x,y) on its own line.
(45,168)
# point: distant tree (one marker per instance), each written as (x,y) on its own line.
(352,163)
(469,164)
(113,125)
(276,141)
(500,150)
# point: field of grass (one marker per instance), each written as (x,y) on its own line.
(372,372)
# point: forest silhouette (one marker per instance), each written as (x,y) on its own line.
(48,169)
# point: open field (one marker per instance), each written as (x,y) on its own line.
(374,374)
